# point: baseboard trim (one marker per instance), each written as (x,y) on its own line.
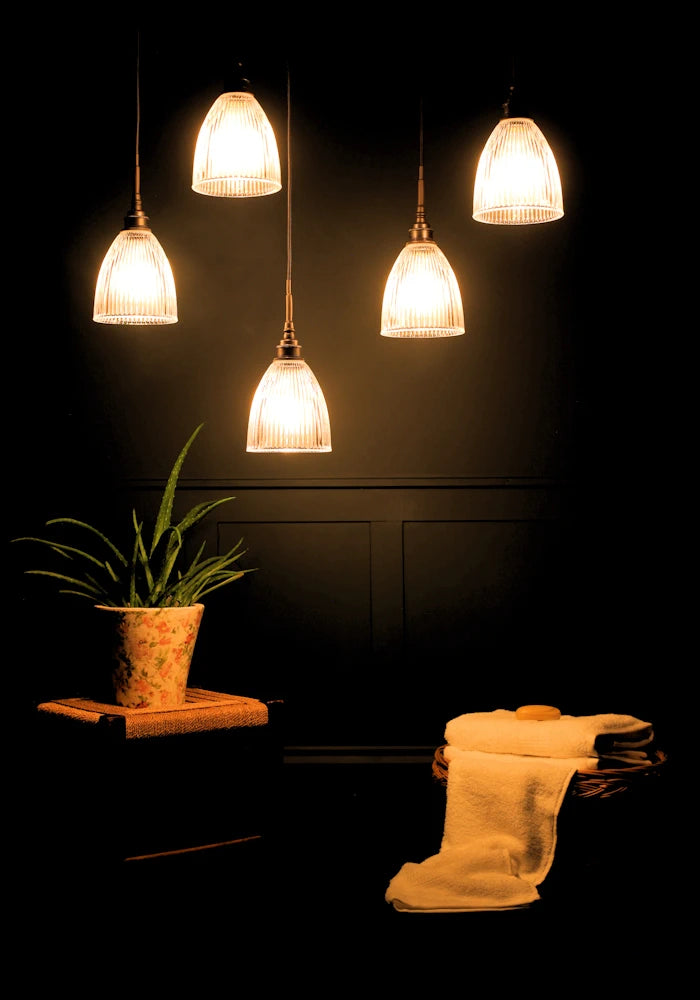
(298,755)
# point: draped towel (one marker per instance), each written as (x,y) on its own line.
(499,835)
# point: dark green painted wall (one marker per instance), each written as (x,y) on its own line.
(398,588)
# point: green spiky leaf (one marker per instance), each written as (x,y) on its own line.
(155,575)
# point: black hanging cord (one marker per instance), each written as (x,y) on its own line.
(420,231)
(289,203)
(137,218)
(506,104)
(421,187)
(137,185)
(289,346)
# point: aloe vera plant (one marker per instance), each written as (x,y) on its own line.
(153,573)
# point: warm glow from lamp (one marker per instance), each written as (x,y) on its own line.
(135,284)
(421,295)
(288,412)
(236,151)
(517,179)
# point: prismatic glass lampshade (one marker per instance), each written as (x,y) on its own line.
(421,296)
(517,178)
(288,412)
(236,152)
(135,284)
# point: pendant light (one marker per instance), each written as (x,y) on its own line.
(421,295)
(135,284)
(289,412)
(517,179)
(236,152)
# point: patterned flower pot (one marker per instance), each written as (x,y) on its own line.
(151,654)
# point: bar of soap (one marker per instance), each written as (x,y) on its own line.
(538,713)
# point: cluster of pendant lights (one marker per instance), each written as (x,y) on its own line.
(517,183)
(236,157)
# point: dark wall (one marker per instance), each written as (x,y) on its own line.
(473,540)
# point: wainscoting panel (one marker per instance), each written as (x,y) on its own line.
(377,612)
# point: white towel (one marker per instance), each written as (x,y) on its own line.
(569,736)
(499,836)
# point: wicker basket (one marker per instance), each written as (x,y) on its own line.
(601,783)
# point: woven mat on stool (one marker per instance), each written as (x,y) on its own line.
(202,711)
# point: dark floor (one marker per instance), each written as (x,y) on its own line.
(310,892)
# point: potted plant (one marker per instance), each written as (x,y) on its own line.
(151,594)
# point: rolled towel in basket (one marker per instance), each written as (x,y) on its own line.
(612,736)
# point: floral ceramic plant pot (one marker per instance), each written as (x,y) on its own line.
(151,654)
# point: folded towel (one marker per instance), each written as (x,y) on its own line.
(499,835)
(569,736)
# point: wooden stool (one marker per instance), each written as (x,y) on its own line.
(116,785)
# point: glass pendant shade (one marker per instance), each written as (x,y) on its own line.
(517,179)
(236,152)
(135,285)
(421,296)
(289,412)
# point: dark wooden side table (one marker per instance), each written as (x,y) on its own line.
(112,786)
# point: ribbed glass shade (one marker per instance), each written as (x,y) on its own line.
(135,286)
(517,180)
(289,411)
(421,296)
(236,153)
